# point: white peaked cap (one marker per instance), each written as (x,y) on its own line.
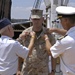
(65,10)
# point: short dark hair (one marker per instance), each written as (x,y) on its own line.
(72,19)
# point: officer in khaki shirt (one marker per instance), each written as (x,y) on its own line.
(37,62)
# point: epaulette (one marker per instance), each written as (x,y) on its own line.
(61,37)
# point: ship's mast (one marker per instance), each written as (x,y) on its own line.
(37,4)
(50,8)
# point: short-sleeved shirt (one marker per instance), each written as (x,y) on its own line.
(37,63)
(9,52)
(65,48)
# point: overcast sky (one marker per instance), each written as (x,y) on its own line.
(21,8)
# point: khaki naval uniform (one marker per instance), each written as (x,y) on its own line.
(37,63)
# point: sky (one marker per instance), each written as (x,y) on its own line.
(21,9)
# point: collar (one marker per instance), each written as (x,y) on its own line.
(3,36)
(72,29)
(43,31)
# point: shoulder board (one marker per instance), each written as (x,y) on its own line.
(61,37)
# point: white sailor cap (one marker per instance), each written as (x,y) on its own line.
(65,11)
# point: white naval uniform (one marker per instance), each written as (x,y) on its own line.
(65,48)
(9,52)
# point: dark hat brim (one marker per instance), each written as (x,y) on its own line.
(4,22)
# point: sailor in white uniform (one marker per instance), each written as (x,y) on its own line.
(65,47)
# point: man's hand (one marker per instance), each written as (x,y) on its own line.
(23,35)
(44,37)
(32,34)
(49,30)
(18,73)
